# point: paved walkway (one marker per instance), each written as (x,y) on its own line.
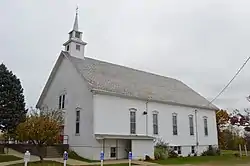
(77,162)
(18,154)
(70,161)
(36,158)
(21,155)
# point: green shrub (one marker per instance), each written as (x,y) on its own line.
(161,150)
(161,144)
(211,151)
(160,153)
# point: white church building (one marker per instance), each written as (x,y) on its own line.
(117,109)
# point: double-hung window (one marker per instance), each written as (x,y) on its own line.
(174,121)
(61,101)
(78,47)
(205,126)
(77,121)
(113,152)
(191,124)
(155,123)
(132,121)
(192,149)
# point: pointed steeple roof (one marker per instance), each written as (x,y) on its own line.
(75,27)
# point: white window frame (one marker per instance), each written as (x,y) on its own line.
(78,47)
(205,121)
(115,152)
(132,123)
(155,122)
(191,124)
(61,101)
(77,122)
(192,149)
(175,124)
(177,149)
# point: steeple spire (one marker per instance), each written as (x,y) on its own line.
(75,45)
(75,27)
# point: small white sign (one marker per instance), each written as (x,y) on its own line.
(27,156)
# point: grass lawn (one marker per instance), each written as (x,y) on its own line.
(212,160)
(228,152)
(74,155)
(6,158)
(38,163)
(52,163)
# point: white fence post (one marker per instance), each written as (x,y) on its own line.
(240,150)
(246,149)
(26,158)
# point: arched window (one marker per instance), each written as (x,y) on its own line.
(205,126)
(174,120)
(78,118)
(191,124)
(62,99)
(155,122)
(132,120)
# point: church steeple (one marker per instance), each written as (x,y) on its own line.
(75,45)
(75,27)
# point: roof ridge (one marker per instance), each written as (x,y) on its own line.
(157,82)
(130,68)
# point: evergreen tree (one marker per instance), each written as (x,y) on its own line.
(12,106)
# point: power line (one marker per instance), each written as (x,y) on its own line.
(230,81)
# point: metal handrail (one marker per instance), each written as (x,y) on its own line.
(65,137)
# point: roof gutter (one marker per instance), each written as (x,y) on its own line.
(104,92)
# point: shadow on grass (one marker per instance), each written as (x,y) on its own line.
(74,155)
(6,158)
(39,163)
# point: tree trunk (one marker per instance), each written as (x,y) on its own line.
(41,157)
(40,151)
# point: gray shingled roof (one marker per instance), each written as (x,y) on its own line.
(124,81)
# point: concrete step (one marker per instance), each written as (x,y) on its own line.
(52,152)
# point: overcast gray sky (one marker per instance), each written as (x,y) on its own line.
(203,43)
